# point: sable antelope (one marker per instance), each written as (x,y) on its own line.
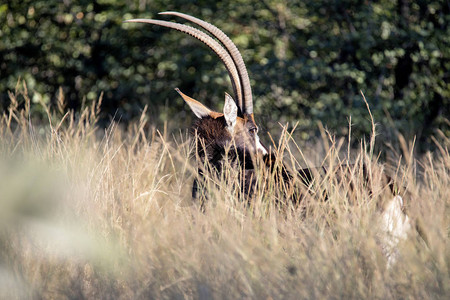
(234,131)
(233,134)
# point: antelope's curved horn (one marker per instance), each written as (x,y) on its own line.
(247,105)
(207,40)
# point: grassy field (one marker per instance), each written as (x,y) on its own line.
(108,214)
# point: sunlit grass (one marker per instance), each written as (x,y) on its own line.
(90,213)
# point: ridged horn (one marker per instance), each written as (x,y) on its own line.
(247,106)
(210,42)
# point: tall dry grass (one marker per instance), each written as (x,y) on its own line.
(101,214)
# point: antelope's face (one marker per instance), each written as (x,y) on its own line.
(245,135)
(227,130)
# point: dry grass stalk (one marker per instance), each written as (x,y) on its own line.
(90,214)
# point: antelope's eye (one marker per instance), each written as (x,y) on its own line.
(253,130)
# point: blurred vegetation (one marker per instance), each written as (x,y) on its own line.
(307,60)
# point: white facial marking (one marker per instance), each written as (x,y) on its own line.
(259,146)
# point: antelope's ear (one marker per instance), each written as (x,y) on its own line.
(199,109)
(230,112)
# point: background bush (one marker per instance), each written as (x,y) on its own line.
(307,60)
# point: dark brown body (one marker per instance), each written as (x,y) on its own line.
(215,145)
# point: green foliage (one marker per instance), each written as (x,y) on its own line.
(307,60)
